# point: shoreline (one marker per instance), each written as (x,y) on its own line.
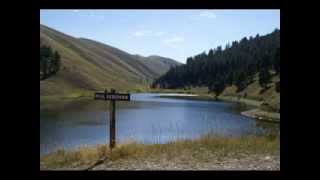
(255,113)
(262,115)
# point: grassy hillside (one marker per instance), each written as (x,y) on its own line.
(89,65)
(267,100)
(269,97)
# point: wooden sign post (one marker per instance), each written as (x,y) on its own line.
(112,97)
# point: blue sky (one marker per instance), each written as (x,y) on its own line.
(176,34)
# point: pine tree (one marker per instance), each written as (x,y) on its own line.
(277,86)
(217,87)
(49,62)
(241,81)
(276,62)
(57,61)
(235,65)
(210,54)
(264,78)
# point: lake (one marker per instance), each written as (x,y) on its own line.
(147,118)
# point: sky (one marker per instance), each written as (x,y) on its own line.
(176,34)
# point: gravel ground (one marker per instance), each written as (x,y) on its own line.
(252,162)
(245,162)
(262,115)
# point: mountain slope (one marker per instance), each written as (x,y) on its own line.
(159,65)
(90,65)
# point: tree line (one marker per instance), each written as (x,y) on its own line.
(50,62)
(236,64)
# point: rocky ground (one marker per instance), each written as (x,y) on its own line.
(254,162)
(245,162)
(262,115)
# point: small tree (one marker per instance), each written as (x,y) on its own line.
(241,81)
(50,62)
(57,61)
(43,68)
(277,86)
(264,78)
(276,61)
(217,87)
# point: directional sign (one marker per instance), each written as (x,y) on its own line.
(99,95)
(118,97)
(112,97)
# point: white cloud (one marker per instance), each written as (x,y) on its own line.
(208,14)
(75,11)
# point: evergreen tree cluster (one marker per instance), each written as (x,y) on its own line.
(236,64)
(50,62)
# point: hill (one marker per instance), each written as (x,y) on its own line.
(249,68)
(159,65)
(91,65)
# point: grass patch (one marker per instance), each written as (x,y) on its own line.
(58,102)
(199,150)
(210,97)
(169,91)
(74,94)
(246,101)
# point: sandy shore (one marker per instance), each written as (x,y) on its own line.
(262,115)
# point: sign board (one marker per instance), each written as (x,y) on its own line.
(112,96)
(100,96)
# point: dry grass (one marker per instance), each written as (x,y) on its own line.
(183,150)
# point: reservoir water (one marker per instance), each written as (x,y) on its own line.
(147,118)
